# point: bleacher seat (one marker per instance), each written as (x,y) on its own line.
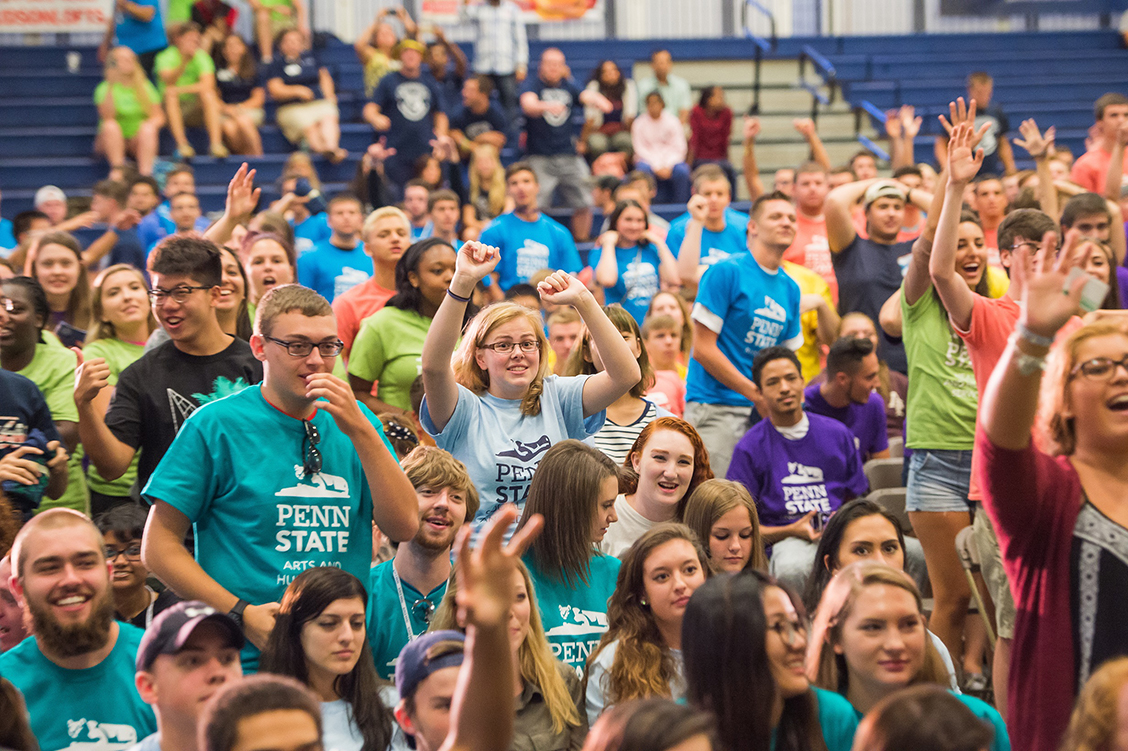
(884,473)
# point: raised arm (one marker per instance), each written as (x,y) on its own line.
(474,262)
(620,369)
(806,128)
(840,230)
(1039,147)
(689,255)
(963,164)
(242,198)
(92,397)
(607,270)
(1115,175)
(751,168)
(1010,403)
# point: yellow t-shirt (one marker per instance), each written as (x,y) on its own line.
(810,354)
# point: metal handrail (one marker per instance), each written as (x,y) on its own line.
(762,46)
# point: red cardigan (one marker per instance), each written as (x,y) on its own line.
(709,136)
(1033,500)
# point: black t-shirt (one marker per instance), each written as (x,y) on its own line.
(157,393)
(868,273)
(304,71)
(233,88)
(549,134)
(162,602)
(473,125)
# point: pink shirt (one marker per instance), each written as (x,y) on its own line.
(660,143)
(354,306)
(668,391)
(1091,170)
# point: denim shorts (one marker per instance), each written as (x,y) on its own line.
(938,481)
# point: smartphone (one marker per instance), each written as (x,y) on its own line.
(1092,294)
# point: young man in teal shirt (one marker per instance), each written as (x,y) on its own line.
(76,670)
(404,592)
(276,478)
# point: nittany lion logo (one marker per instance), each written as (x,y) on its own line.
(557,95)
(413,100)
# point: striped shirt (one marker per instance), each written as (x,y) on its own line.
(616,440)
(500,44)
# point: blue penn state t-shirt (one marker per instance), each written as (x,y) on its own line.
(92,709)
(638,278)
(750,308)
(528,247)
(715,246)
(332,271)
(410,104)
(141,36)
(549,134)
(314,230)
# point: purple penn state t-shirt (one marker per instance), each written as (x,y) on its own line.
(865,421)
(818,472)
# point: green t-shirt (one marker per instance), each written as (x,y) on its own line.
(387,350)
(52,370)
(575,618)
(277,17)
(387,632)
(940,413)
(179,11)
(169,59)
(119,355)
(129,112)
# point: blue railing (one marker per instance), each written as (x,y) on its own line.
(763,46)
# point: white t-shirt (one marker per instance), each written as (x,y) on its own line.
(599,670)
(623,533)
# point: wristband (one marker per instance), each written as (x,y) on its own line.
(460,298)
(236,613)
(1030,336)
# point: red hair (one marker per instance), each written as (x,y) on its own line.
(701,469)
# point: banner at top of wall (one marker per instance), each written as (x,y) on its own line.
(1005,7)
(534,11)
(47,16)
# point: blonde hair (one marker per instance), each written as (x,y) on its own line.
(465,363)
(100,328)
(379,214)
(496,189)
(138,82)
(287,298)
(828,670)
(534,656)
(1059,432)
(1093,725)
(713,499)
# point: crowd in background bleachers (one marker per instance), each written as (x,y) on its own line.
(843,470)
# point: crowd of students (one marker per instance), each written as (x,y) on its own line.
(444,482)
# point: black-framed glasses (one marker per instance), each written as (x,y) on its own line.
(1034,247)
(1100,368)
(423,610)
(789,631)
(131,553)
(504,348)
(179,293)
(302,349)
(311,456)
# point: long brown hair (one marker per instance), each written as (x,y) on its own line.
(100,328)
(581,360)
(713,499)
(78,302)
(464,361)
(701,469)
(643,665)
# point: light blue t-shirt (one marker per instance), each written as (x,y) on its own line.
(528,247)
(332,271)
(141,36)
(7,237)
(158,224)
(715,246)
(501,447)
(598,689)
(94,708)
(235,470)
(638,278)
(575,617)
(311,232)
(750,308)
(387,632)
(339,731)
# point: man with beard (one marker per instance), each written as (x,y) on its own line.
(13,630)
(404,592)
(188,653)
(76,671)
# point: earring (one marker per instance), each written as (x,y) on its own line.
(643,602)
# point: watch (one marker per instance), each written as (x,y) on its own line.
(236,613)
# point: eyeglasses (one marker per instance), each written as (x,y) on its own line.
(302,349)
(423,610)
(178,294)
(1100,368)
(311,457)
(132,553)
(1034,247)
(505,348)
(789,631)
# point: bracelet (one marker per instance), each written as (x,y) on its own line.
(1030,336)
(460,298)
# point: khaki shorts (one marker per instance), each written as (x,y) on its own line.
(991,565)
(295,119)
(255,113)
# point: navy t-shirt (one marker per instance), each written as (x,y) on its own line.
(410,103)
(304,71)
(127,249)
(868,273)
(550,135)
(234,88)
(473,125)
(999,125)
(450,91)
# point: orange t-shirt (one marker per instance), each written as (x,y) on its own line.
(354,306)
(811,249)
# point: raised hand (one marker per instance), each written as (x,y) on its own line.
(893,124)
(805,126)
(485,574)
(476,260)
(1034,141)
(561,288)
(959,112)
(698,207)
(751,128)
(910,123)
(91,377)
(379,151)
(242,195)
(963,161)
(1049,300)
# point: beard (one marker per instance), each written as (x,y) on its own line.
(74,639)
(435,544)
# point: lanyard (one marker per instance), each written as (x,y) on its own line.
(411,635)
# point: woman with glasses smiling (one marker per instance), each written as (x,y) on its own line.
(135,601)
(493,405)
(1058,506)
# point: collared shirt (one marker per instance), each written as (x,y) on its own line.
(500,45)
(532,727)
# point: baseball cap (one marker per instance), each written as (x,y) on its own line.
(410,44)
(172,627)
(882,189)
(49,193)
(416,662)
